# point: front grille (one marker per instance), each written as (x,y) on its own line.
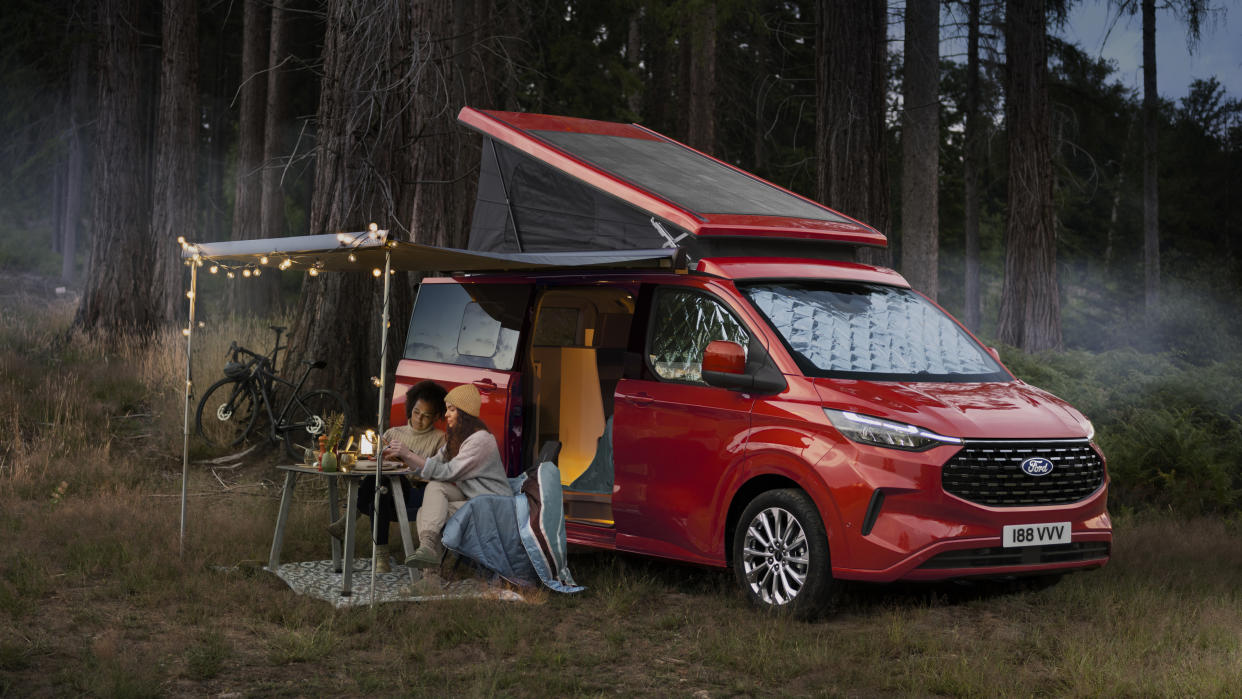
(1020,556)
(990,473)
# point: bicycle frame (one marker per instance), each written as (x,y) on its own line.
(262,379)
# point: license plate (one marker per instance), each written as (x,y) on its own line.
(1036,534)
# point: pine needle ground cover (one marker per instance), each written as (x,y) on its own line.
(96,599)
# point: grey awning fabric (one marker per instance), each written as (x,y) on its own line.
(362,253)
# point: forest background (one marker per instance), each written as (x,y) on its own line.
(1110,276)
(128,123)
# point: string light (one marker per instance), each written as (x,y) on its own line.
(214,268)
(286,264)
(246,272)
(185,331)
(313,272)
(257,272)
(376,272)
(353,257)
(189,294)
(230,275)
(263,260)
(376,382)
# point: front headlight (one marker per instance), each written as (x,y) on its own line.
(1090,431)
(885,433)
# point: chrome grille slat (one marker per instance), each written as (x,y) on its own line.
(990,474)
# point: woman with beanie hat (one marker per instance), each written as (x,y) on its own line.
(467,465)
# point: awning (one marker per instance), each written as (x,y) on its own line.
(365,251)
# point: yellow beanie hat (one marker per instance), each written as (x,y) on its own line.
(465,398)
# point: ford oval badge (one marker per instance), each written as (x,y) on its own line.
(1037,466)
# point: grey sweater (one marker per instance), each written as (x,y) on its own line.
(476,469)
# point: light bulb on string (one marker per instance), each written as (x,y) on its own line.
(230,275)
(353,257)
(246,272)
(376,272)
(213,269)
(313,272)
(263,260)
(257,272)
(286,264)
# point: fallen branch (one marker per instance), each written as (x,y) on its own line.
(229,458)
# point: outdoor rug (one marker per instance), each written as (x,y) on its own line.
(317,579)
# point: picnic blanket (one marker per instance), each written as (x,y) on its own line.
(519,537)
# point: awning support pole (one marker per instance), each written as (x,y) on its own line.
(379,417)
(189,386)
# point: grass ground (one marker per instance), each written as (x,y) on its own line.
(96,599)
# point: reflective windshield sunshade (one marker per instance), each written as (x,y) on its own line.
(871,331)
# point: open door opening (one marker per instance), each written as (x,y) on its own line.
(577,358)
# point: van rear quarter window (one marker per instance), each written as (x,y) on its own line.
(471,325)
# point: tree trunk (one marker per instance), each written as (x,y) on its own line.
(272,202)
(176,165)
(1151,195)
(920,147)
(389,152)
(245,297)
(1030,313)
(633,49)
(116,300)
(852,163)
(701,88)
(79,106)
(972,163)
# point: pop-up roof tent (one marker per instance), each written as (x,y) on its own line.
(560,192)
(549,183)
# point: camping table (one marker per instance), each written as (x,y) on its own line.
(352,480)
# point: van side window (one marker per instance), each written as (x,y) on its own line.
(469,324)
(683,322)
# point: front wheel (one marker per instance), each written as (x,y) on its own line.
(307,419)
(227,412)
(780,555)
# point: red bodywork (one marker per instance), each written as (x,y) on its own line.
(688,458)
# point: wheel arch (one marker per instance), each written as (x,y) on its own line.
(748,491)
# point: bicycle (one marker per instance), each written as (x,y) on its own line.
(229,409)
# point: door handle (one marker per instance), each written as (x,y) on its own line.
(639,399)
(485,385)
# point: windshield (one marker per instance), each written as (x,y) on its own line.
(870,331)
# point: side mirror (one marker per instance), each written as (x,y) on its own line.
(724,366)
(724,357)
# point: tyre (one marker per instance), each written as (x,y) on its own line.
(227,413)
(780,555)
(307,418)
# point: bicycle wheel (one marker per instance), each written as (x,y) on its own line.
(307,418)
(227,413)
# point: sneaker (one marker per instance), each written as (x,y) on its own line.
(423,558)
(337,529)
(381,562)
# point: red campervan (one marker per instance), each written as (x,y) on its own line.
(739,392)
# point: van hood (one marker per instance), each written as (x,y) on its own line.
(995,410)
